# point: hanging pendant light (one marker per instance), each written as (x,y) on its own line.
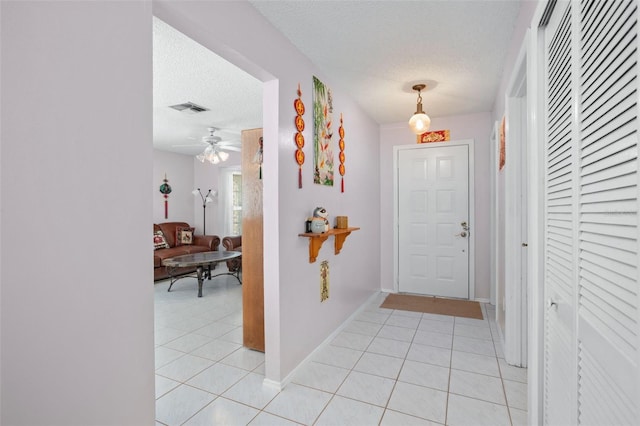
(420,121)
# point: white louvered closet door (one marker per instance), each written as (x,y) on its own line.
(608,214)
(559,322)
(591,358)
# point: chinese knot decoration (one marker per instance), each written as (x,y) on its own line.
(299,138)
(165,190)
(341,168)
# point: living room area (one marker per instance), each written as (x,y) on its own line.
(206,197)
(197,121)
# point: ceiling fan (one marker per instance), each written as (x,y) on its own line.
(230,144)
(217,141)
(216,148)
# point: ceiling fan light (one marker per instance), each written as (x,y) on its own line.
(212,153)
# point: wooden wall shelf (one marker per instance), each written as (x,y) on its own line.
(316,240)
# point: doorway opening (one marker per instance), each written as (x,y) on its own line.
(514,326)
(223,217)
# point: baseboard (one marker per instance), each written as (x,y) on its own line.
(280,385)
(482,300)
(272,384)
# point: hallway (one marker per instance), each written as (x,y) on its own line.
(385,367)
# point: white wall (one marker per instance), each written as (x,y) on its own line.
(527,9)
(472,126)
(77,287)
(179,170)
(295,320)
(185,174)
(521,26)
(210,176)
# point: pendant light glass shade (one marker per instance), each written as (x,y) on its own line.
(212,155)
(420,121)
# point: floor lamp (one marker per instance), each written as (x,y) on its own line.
(205,199)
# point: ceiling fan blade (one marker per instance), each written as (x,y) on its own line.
(189,145)
(230,148)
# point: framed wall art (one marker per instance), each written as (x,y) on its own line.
(322,134)
(434,136)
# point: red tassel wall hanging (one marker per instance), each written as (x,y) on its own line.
(165,190)
(341,168)
(299,137)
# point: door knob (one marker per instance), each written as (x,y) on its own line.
(462,234)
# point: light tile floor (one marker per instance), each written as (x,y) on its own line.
(386,367)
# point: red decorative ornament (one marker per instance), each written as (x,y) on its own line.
(165,190)
(341,156)
(298,105)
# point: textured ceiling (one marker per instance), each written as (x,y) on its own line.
(372,50)
(376,50)
(185,71)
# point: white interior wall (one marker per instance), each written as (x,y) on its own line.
(500,246)
(523,22)
(527,10)
(472,126)
(295,320)
(185,174)
(209,176)
(77,295)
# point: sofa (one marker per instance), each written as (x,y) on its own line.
(233,243)
(178,240)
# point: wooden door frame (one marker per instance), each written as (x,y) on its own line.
(471,190)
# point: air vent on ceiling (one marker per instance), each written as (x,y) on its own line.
(189,108)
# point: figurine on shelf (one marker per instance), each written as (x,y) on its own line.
(320,221)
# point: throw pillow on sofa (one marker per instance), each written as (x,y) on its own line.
(159,241)
(184,236)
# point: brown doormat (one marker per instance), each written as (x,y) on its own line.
(433,305)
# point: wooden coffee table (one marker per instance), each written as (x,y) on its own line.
(200,261)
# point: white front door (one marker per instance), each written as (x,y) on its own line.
(433,212)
